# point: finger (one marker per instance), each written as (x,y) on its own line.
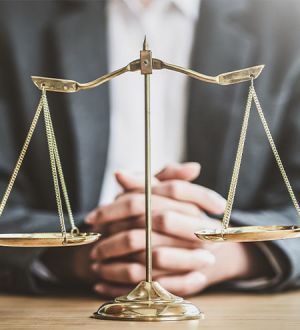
(178,259)
(132,182)
(184,285)
(132,241)
(185,171)
(120,272)
(133,205)
(169,223)
(182,226)
(127,224)
(205,198)
(124,207)
(124,272)
(112,290)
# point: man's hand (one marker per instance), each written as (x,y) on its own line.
(182,267)
(171,193)
(182,264)
(176,251)
(181,271)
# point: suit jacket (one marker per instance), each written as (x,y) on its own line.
(68,39)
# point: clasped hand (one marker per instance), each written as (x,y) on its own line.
(181,263)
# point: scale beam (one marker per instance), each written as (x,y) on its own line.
(71,86)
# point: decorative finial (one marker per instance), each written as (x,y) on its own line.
(145,44)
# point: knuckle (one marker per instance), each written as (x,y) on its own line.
(99,213)
(135,204)
(174,188)
(133,239)
(101,252)
(163,221)
(134,273)
(158,256)
(140,222)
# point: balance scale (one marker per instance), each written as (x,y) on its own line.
(149,301)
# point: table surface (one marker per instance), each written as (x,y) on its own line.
(222,311)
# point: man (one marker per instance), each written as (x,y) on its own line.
(100,131)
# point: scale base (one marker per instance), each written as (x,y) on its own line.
(149,301)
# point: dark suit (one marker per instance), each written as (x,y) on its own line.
(68,40)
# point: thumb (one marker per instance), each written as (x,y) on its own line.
(185,171)
(132,182)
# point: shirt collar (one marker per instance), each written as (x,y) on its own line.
(190,8)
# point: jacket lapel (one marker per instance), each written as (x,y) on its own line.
(222,44)
(81,49)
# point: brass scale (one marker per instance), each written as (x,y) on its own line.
(149,301)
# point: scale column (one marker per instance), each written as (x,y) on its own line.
(146,70)
(148,301)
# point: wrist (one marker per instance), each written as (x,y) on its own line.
(252,263)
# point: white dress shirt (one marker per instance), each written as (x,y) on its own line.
(169,26)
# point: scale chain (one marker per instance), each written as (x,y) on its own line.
(53,165)
(232,190)
(237,164)
(74,229)
(21,156)
(275,152)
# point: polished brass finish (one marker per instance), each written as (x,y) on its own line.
(71,86)
(146,70)
(249,233)
(146,59)
(255,233)
(149,302)
(239,76)
(47,239)
(227,78)
(252,96)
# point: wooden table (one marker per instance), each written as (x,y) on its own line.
(222,311)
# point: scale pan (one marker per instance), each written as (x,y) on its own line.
(47,239)
(249,233)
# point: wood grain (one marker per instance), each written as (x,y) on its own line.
(222,311)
